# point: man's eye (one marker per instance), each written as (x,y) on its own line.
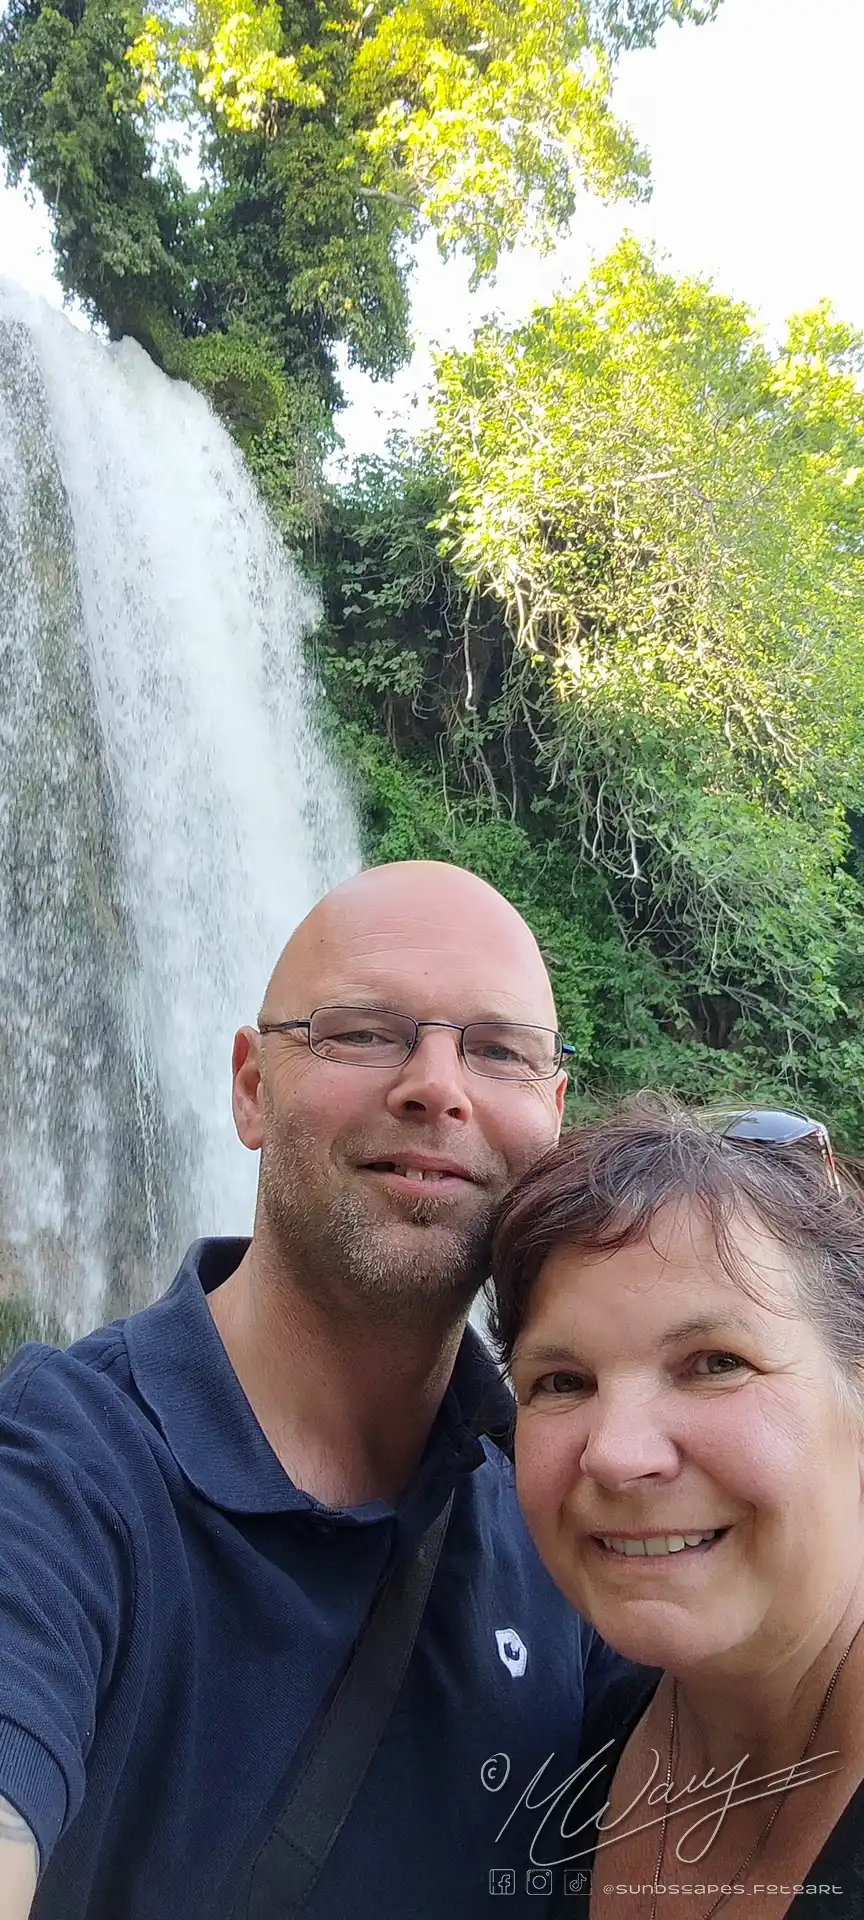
(361,1037)
(712,1366)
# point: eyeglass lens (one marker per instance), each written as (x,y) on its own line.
(497,1049)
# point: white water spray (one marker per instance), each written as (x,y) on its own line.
(168,812)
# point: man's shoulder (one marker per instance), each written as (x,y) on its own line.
(75,1402)
(94,1369)
(95,1385)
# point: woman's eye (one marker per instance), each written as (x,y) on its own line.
(712,1366)
(559,1383)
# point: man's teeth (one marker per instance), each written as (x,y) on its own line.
(656,1544)
(420,1173)
(415,1173)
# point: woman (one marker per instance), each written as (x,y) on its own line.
(680,1302)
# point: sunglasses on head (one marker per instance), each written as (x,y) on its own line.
(768,1129)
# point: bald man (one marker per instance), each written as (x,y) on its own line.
(209,1511)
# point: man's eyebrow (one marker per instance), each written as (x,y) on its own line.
(367,1000)
(363,1001)
(364,998)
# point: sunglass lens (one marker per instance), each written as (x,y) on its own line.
(773,1129)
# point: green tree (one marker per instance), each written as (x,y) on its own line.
(640,645)
(329,134)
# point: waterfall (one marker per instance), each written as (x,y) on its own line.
(168,811)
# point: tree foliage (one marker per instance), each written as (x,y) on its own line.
(328,134)
(597,636)
(617,600)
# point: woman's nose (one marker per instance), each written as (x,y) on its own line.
(628,1439)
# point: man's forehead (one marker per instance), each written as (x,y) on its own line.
(440,985)
(445,951)
(424,997)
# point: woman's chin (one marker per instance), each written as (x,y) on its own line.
(647,1648)
(655,1635)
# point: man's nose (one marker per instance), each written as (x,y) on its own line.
(434,1081)
(629,1439)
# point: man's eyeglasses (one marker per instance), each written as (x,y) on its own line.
(767,1129)
(366,1037)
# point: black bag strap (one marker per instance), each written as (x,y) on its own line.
(342,1750)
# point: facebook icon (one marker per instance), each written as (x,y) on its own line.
(502,1880)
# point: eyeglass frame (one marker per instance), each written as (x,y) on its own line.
(810,1129)
(565,1050)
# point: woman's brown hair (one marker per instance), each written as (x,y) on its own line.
(602,1186)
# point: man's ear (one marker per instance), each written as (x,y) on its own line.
(246,1091)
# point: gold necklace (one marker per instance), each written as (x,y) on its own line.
(762,1837)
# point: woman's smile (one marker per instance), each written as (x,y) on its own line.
(659,1546)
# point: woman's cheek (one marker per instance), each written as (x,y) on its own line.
(547,1463)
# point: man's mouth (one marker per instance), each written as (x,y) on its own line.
(445,1174)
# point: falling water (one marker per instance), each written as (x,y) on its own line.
(168,812)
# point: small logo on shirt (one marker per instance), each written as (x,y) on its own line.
(512,1650)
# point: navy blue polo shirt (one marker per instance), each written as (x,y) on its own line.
(174,1612)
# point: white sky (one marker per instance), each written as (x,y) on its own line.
(754,126)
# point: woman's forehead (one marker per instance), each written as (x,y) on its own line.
(746,1271)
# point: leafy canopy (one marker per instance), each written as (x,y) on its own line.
(639,643)
(672,519)
(329,133)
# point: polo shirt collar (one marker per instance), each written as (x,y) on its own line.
(185,1378)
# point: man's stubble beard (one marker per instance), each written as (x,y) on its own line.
(336,1248)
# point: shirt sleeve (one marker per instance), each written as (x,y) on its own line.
(65,1583)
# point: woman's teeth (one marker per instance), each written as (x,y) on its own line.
(656,1543)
